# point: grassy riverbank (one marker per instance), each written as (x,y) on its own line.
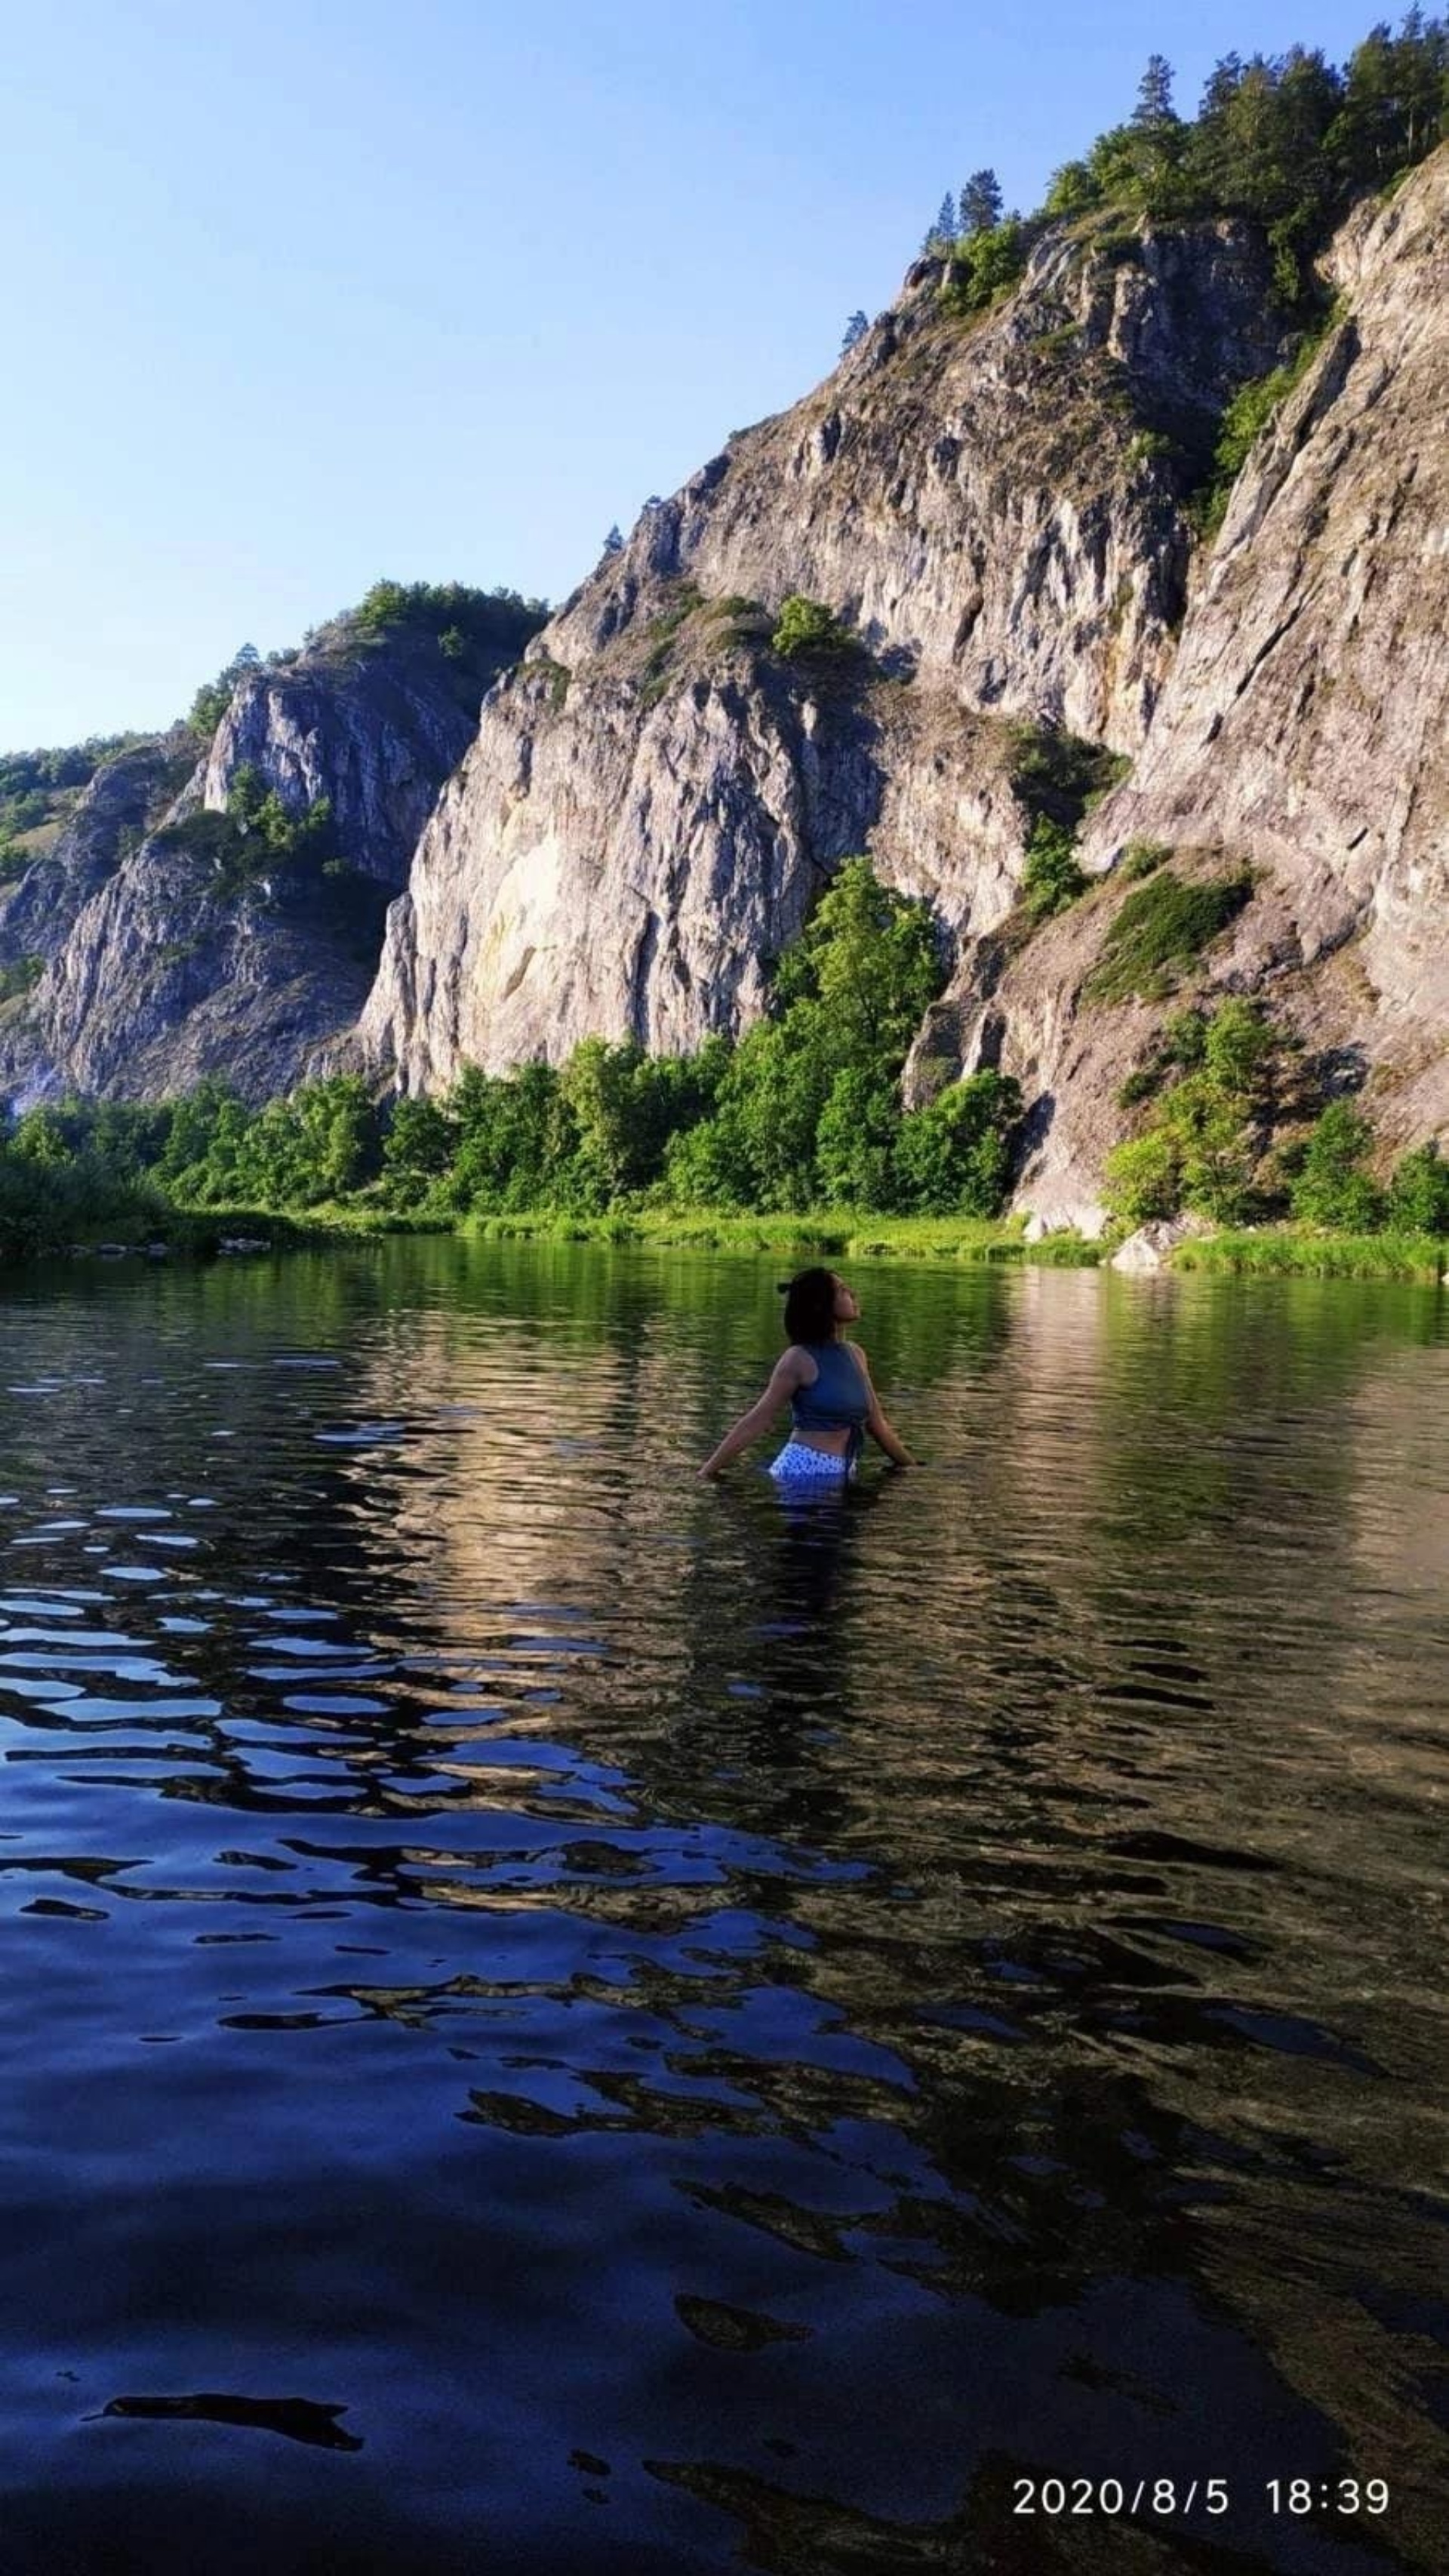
(1283,1252)
(58,1221)
(825,1234)
(88,1209)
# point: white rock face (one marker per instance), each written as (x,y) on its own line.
(650,805)
(1150,1246)
(154,977)
(375,732)
(1304,730)
(602,868)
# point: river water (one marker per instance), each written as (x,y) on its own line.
(557,2018)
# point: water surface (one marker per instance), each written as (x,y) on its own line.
(556,2018)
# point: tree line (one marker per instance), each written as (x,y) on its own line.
(804,1110)
(1288,140)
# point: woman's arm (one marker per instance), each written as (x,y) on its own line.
(784,1379)
(875,1421)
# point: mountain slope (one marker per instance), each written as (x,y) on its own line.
(996,507)
(172,944)
(1304,731)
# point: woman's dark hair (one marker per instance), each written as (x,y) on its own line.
(810,1305)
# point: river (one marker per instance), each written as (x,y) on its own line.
(559,2018)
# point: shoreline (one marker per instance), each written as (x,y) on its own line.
(1279,1251)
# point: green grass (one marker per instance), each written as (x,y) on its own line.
(1163,926)
(1286,1251)
(21,976)
(139,1217)
(826,1233)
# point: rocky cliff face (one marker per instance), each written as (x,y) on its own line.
(160,963)
(1302,731)
(124,800)
(993,505)
(652,800)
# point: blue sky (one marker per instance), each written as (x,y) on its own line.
(300,295)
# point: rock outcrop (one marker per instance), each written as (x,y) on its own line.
(1303,731)
(126,798)
(654,796)
(161,965)
(994,506)
(997,507)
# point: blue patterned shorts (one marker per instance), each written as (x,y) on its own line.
(798,1464)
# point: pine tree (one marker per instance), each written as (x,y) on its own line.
(943,229)
(981,202)
(613,542)
(1154,93)
(855,330)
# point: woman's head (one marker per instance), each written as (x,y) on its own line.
(817,1302)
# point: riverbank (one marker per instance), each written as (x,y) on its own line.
(146,1226)
(844,1235)
(1284,1252)
(825,1234)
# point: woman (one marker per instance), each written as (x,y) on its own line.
(826,1383)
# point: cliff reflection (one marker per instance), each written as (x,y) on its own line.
(960,1957)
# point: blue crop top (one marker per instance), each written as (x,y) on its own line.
(837,1397)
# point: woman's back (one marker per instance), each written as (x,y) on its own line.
(836,1394)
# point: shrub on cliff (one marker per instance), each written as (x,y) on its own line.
(983,265)
(1162,926)
(805,629)
(1052,879)
(1203,1144)
(464,621)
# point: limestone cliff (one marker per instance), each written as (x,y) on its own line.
(160,958)
(998,507)
(995,507)
(654,797)
(1302,731)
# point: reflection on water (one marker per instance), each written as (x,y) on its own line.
(557,2018)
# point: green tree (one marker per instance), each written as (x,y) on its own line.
(1419,1192)
(1333,1186)
(1074,190)
(1154,95)
(846,1000)
(855,331)
(855,1139)
(1142,1178)
(213,699)
(981,202)
(954,1155)
(1238,1046)
(806,627)
(1051,878)
(417,1149)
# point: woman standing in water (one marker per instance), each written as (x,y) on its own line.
(826,1383)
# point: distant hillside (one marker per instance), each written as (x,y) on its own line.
(210,900)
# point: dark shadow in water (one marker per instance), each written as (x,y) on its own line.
(299,2419)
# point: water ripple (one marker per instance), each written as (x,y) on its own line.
(692,2028)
